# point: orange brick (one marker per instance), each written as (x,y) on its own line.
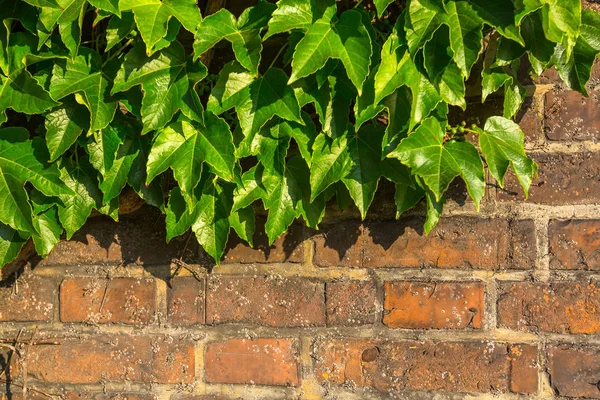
(30,299)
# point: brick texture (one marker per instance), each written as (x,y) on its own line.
(437,305)
(31,299)
(351,303)
(574,371)
(575,245)
(120,300)
(267,301)
(256,362)
(563,307)
(186,301)
(413,365)
(571,116)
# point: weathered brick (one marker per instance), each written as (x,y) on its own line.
(106,396)
(262,361)
(162,359)
(564,307)
(185,301)
(387,365)
(563,179)
(571,116)
(31,298)
(266,300)
(456,242)
(575,244)
(351,303)
(574,371)
(434,305)
(101,301)
(288,248)
(339,244)
(137,238)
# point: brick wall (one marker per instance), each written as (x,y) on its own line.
(504,303)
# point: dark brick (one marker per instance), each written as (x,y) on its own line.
(574,372)
(267,300)
(185,301)
(563,307)
(101,301)
(434,305)
(339,244)
(564,179)
(263,361)
(575,245)
(31,298)
(351,303)
(426,365)
(571,116)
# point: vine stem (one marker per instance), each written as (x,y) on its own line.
(277,55)
(116,53)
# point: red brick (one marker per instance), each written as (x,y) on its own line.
(106,396)
(574,372)
(456,242)
(288,248)
(253,362)
(87,360)
(31,298)
(571,116)
(435,305)
(575,245)
(413,365)
(185,301)
(266,300)
(138,238)
(117,300)
(351,303)
(339,244)
(563,307)
(563,179)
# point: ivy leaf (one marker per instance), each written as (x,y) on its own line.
(304,136)
(540,48)
(299,14)
(152,17)
(47,231)
(184,147)
(561,21)
(64,124)
(280,204)
(501,142)
(243,222)
(164,78)
(330,163)
(362,180)
(68,16)
(465,34)
(179,219)
(81,178)
(420,23)
(118,29)
(438,162)
(525,7)
(266,97)
(346,39)
(434,211)
(82,74)
(381,5)
(408,193)
(254,187)
(229,89)
(11,242)
(500,15)
(298,177)
(111,6)
(212,223)
(576,71)
(243,34)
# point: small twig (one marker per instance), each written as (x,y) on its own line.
(24,362)
(180,263)
(11,383)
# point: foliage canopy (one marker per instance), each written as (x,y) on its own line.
(98,95)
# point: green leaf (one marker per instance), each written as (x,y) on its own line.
(243,34)
(362,180)
(152,17)
(212,223)
(48,231)
(525,7)
(111,6)
(576,71)
(346,39)
(500,15)
(561,21)
(164,78)
(68,16)
(408,193)
(243,222)
(381,5)
(118,29)
(331,162)
(81,178)
(279,201)
(229,91)
(540,48)
(299,14)
(438,162)
(298,178)
(184,147)
(265,98)
(81,74)
(11,242)
(434,211)
(501,142)
(465,34)
(64,124)
(420,23)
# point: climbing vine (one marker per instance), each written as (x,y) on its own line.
(102,95)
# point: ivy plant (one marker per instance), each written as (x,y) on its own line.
(302,101)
